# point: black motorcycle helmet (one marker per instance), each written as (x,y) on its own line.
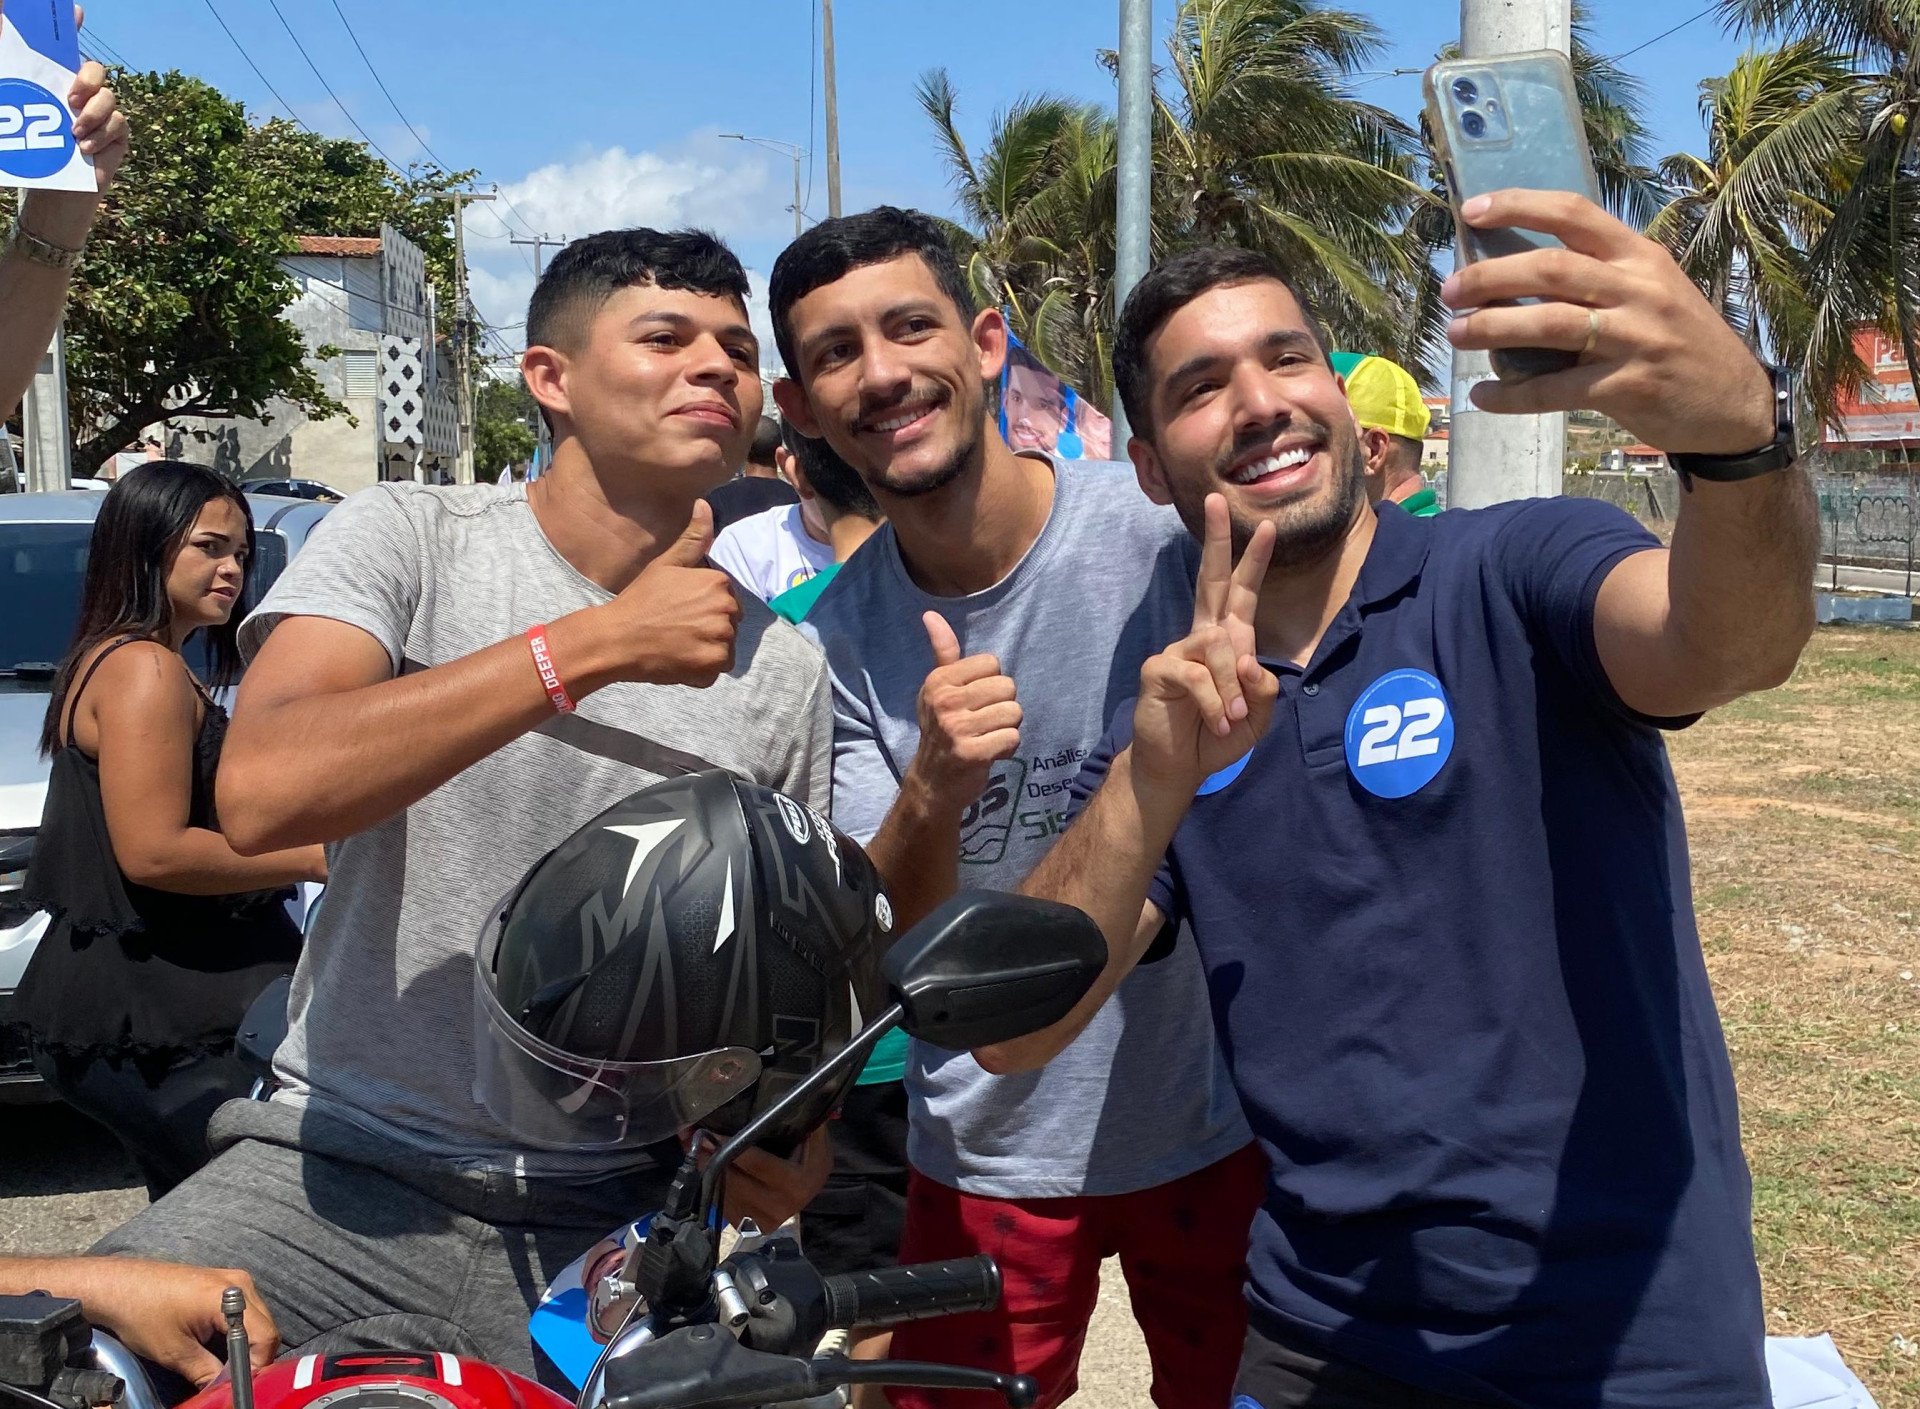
(685,958)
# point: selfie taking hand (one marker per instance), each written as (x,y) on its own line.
(1206,700)
(1653,353)
(969,717)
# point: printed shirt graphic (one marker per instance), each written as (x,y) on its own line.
(1108,583)
(770,552)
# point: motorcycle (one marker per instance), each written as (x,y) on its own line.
(669,1324)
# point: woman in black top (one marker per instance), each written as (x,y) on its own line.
(162,934)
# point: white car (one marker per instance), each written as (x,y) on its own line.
(43,561)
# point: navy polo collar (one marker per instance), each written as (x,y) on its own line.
(1395,557)
(1394,562)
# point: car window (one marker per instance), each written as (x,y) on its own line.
(42,566)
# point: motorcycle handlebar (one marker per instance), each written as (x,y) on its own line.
(888,1296)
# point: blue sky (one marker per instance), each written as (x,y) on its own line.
(599,113)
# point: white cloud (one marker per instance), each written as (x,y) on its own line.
(707,182)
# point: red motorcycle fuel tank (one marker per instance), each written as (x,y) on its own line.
(384,1379)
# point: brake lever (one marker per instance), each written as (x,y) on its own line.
(832,1371)
(704,1367)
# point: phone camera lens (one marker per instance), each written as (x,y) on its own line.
(1465,89)
(1474,124)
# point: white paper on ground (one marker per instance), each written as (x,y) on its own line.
(1807,1373)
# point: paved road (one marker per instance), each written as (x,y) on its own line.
(64,1183)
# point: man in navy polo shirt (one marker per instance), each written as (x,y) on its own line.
(1406,781)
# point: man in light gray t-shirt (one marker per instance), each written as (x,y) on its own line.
(396,709)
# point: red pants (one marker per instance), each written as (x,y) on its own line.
(1182,1246)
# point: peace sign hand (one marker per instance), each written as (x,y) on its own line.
(1206,700)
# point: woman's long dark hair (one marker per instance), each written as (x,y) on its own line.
(143,524)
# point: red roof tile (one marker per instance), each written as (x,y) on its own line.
(352,245)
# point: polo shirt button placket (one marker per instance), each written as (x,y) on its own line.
(1309,689)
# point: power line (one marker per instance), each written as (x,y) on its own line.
(255,67)
(99,42)
(526,225)
(378,81)
(274,5)
(1666,33)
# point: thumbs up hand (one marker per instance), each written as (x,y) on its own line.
(969,716)
(677,618)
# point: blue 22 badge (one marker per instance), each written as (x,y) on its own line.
(1399,733)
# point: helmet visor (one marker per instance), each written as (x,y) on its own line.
(556,1100)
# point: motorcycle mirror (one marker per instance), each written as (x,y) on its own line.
(987,967)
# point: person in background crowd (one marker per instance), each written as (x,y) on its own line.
(758,487)
(1393,421)
(50,232)
(162,934)
(1064,578)
(831,489)
(166,1313)
(1406,780)
(445,684)
(780,549)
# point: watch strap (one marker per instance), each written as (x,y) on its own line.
(43,252)
(1777,454)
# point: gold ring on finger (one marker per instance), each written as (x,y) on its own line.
(1593,333)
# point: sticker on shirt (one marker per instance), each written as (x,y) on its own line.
(1226,775)
(1399,733)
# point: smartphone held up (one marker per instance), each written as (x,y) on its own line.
(1509,122)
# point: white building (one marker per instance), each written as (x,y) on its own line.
(369,299)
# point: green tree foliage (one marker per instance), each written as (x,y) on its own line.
(1259,141)
(1863,266)
(503,417)
(176,310)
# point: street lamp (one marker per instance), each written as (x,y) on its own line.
(792,150)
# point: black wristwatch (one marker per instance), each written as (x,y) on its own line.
(1795,429)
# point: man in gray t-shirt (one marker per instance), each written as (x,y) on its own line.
(954,768)
(397,710)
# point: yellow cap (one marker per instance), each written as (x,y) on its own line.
(1383,394)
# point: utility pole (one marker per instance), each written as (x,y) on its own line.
(543,437)
(1134,173)
(793,150)
(43,421)
(833,109)
(1493,459)
(463,321)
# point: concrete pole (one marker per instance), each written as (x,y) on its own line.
(1134,174)
(1494,459)
(43,419)
(832,96)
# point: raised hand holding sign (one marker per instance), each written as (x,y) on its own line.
(55,114)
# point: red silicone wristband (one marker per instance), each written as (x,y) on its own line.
(549,677)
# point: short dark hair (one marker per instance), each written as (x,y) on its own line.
(835,248)
(1171,286)
(588,272)
(766,440)
(832,478)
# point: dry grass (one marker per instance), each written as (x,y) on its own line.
(1804,812)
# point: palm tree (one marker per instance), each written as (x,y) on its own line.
(1745,218)
(1259,142)
(1866,263)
